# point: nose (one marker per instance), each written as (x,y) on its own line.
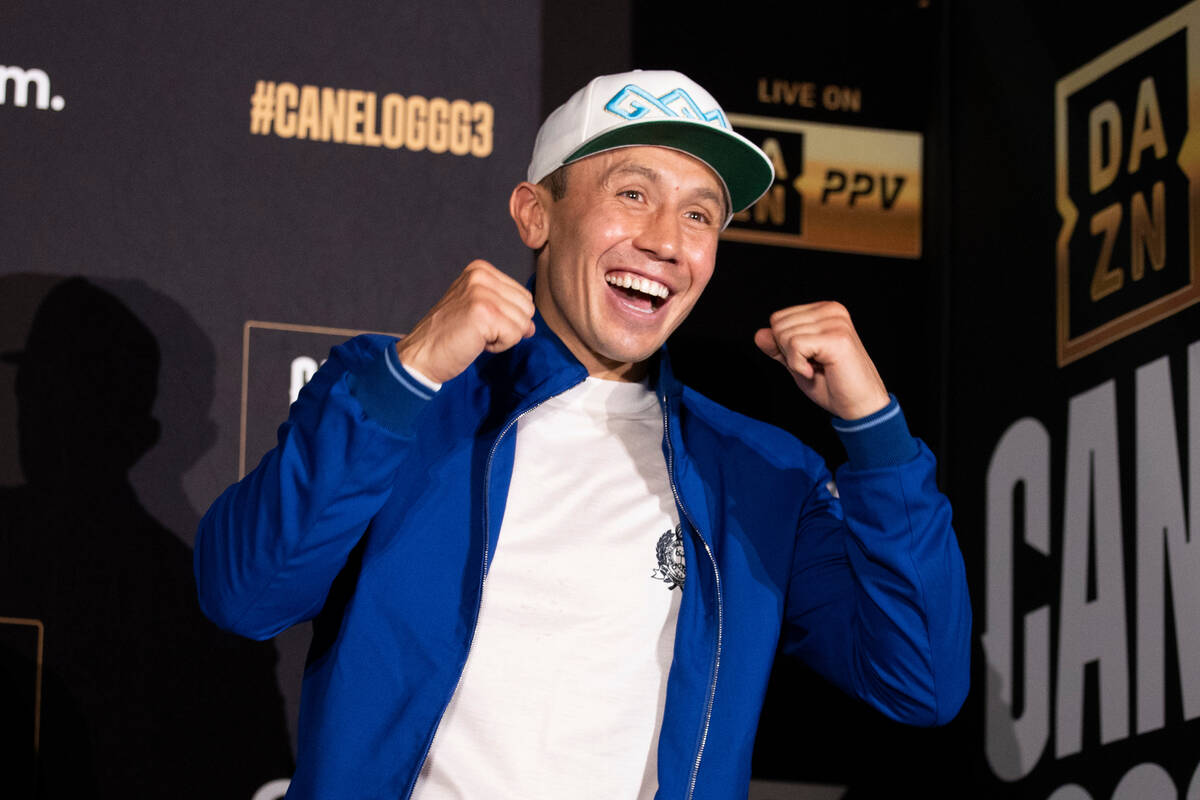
(659,235)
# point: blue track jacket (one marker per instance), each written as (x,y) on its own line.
(378,512)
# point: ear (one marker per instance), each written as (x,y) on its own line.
(527,205)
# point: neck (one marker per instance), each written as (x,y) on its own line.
(616,371)
(597,365)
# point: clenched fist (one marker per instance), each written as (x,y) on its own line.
(820,348)
(483,309)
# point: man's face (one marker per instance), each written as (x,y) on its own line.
(629,249)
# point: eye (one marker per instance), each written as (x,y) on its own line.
(632,194)
(699,216)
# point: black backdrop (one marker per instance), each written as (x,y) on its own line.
(223,254)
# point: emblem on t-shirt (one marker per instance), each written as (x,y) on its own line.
(671,567)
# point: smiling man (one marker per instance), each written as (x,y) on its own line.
(538,566)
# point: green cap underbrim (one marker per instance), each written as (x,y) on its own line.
(743,168)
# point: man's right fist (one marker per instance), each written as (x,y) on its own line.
(483,309)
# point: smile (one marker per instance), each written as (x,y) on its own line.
(646,294)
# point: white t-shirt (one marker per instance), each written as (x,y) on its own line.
(564,687)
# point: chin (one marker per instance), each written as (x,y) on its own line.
(631,355)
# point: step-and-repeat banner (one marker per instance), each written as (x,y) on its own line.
(1005,197)
(196,202)
(1075,376)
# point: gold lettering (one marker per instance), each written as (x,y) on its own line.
(774,152)
(392,120)
(481,144)
(333,115)
(439,121)
(370,129)
(808,95)
(1147,127)
(416,114)
(354,116)
(460,127)
(309,126)
(771,205)
(285,115)
(1148,231)
(842,98)
(1105,281)
(790,93)
(1105,116)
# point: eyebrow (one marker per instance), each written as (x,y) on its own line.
(654,175)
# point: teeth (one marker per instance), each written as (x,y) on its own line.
(643,285)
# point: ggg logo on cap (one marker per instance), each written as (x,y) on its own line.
(634,102)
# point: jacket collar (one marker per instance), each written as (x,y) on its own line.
(542,366)
(533,368)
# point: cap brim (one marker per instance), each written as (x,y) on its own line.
(745,170)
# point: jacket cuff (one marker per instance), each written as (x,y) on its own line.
(388,394)
(877,440)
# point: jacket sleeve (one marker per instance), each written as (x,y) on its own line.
(270,546)
(877,601)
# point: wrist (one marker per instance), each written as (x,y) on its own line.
(388,394)
(880,439)
(862,408)
(420,377)
(412,356)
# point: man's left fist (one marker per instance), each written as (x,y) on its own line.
(820,348)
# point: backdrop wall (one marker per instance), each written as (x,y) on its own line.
(1002,193)
(296,166)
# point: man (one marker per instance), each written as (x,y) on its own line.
(541,567)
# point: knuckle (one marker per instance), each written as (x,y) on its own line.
(479,306)
(480,272)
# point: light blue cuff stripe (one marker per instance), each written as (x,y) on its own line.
(870,421)
(878,440)
(387,394)
(399,373)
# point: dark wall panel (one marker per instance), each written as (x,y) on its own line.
(1074,424)
(306,166)
(242,186)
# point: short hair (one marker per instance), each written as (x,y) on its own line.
(556,183)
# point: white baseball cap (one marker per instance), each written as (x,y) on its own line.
(652,107)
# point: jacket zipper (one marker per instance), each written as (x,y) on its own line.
(487,482)
(712,688)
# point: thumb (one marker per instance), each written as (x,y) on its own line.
(765,340)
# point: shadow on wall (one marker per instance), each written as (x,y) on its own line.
(187,370)
(112,683)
